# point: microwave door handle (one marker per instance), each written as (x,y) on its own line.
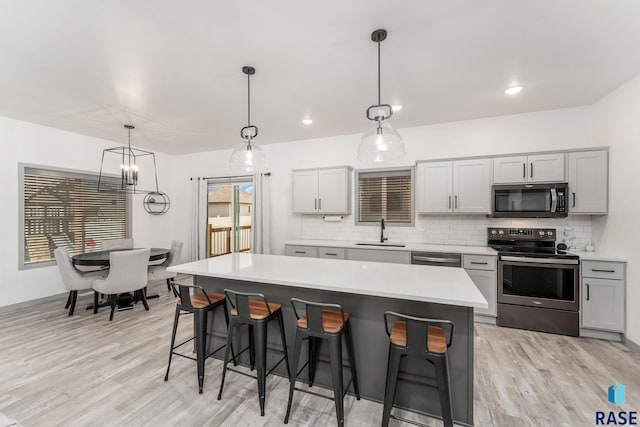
(554,200)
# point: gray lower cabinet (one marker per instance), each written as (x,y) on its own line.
(331,253)
(379,255)
(603,296)
(482,270)
(302,251)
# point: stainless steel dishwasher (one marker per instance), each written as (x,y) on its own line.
(436,258)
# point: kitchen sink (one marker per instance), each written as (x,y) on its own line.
(392,244)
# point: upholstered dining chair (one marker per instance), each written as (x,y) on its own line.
(159,272)
(127,273)
(74,280)
(112,244)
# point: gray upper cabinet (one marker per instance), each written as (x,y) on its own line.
(455,186)
(322,191)
(532,168)
(588,182)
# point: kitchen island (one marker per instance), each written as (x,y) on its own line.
(366,290)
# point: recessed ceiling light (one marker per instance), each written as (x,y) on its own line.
(396,107)
(307,121)
(513,90)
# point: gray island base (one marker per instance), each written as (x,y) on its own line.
(416,386)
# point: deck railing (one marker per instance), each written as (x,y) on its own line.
(220,240)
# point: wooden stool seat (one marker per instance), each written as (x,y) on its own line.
(258,309)
(201,301)
(436,339)
(331,321)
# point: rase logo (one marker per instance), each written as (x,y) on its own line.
(616,395)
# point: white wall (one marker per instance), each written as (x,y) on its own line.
(547,130)
(24,142)
(617,124)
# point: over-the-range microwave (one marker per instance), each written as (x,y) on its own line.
(530,200)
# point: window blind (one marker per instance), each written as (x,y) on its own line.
(65,209)
(385,194)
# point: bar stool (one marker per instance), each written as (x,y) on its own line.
(253,310)
(424,338)
(323,322)
(199,304)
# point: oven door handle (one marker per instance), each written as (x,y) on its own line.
(539,260)
(554,200)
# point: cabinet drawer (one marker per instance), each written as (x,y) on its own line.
(479,262)
(303,251)
(603,269)
(379,255)
(331,253)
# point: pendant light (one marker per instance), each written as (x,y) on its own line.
(247,156)
(381,142)
(128,159)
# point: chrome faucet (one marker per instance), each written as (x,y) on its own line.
(382,238)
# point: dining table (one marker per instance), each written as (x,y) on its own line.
(101,259)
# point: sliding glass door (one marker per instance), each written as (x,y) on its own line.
(229,208)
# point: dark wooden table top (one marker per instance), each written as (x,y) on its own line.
(101,258)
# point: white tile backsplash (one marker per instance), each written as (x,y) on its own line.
(445,229)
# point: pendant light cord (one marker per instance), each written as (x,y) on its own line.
(379,73)
(248,99)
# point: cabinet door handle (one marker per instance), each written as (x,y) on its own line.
(574,199)
(331,253)
(480,263)
(587,291)
(531,170)
(456,201)
(315,204)
(603,271)
(449,202)
(319,204)
(300,252)
(524,170)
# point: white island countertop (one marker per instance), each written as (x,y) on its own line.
(441,285)
(423,247)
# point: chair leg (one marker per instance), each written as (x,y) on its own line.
(313,358)
(297,347)
(227,350)
(352,358)
(260,348)
(393,366)
(169,284)
(113,299)
(144,298)
(68,300)
(200,320)
(176,318)
(335,350)
(252,349)
(74,298)
(444,390)
(284,345)
(226,318)
(95,302)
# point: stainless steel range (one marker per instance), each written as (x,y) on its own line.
(538,285)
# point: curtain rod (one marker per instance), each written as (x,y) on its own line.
(228,177)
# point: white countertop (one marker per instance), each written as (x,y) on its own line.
(597,256)
(469,250)
(441,285)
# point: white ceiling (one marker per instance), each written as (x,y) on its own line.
(173,68)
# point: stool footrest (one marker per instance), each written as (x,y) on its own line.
(415,423)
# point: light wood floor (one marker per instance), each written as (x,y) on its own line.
(82,370)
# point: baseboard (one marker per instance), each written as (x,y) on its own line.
(484,319)
(603,335)
(34,302)
(632,345)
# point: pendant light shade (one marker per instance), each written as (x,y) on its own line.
(247,156)
(380,143)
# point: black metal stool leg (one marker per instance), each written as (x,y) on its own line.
(284,345)
(260,337)
(352,358)
(200,320)
(393,366)
(444,390)
(226,318)
(297,347)
(227,350)
(313,358)
(252,348)
(335,350)
(176,318)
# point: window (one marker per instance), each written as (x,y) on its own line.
(64,209)
(384,194)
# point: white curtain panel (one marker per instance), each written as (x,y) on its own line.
(198,246)
(261,216)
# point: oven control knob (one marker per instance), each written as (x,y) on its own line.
(494,232)
(549,233)
(500,232)
(541,233)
